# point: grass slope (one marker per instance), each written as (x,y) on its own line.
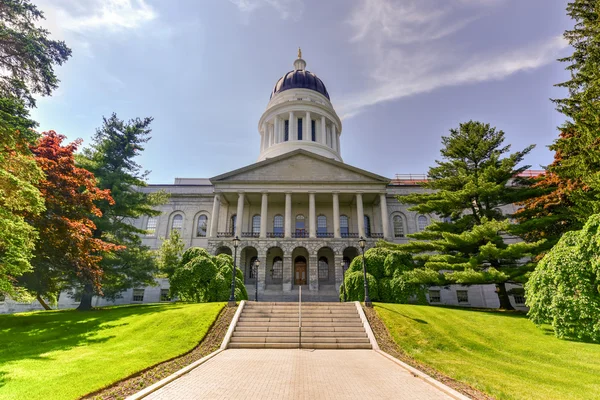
(502,354)
(67,354)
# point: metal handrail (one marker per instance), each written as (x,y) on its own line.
(299,317)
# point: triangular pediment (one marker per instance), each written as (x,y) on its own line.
(300,166)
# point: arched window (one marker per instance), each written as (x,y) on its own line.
(202,223)
(321,225)
(367,226)
(256,225)
(278,226)
(300,231)
(344,229)
(177,224)
(233,224)
(277,270)
(421,222)
(398,226)
(251,274)
(323,269)
(151,224)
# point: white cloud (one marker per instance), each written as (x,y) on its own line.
(286,8)
(410,50)
(94,15)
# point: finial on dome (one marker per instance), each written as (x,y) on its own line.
(299,64)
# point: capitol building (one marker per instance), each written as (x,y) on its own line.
(299,210)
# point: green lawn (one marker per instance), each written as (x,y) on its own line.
(67,354)
(502,354)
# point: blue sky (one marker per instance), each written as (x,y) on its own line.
(400,73)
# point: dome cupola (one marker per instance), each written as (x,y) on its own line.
(300,116)
(300,78)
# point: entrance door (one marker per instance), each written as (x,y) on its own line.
(300,271)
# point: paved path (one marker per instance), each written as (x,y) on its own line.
(257,374)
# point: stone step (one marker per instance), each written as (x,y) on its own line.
(262,328)
(295,314)
(304,319)
(314,345)
(290,339)
(237,333)
(295,323)
(304,304)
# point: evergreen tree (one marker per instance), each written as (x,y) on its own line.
(27,55)
(169,254)
(111,159)
(467,188)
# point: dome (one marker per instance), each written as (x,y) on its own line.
(300,78)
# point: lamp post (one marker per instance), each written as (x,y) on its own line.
(362,243)
(236,243)
(255,268)
(344,280)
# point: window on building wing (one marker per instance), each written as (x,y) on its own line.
(398,226)
(462,296)
(138,294)
(367,226)
(164,295)
(202,224)
(321,225)
(151,224)
(177,224)
(434,296)
(421,222)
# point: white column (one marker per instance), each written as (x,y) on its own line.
(323,131)
(336,216)
(276,129)
(262,142)
(339,150)
(240,215)
(214,220)
(307,130)
(312,216)
(333,137)
(360,215)
(385,222)
(291,128)
(263,215)
(288,215)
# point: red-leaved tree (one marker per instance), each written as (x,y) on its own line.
(67,250)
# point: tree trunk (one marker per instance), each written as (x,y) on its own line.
(86,298)
(503,297)
(43,303)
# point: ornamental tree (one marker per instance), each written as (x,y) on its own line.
(27,54)
(386,275)
(200,277)
(66,250)
(168,256)
(112,159)
(564,289)
(471,245)
(19,195)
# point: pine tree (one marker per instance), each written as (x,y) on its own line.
(471,244)
(111,159)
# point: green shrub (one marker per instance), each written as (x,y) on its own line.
(355,289)
(564,289)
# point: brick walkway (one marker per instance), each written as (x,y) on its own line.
(298,374)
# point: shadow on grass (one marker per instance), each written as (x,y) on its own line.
(31,335)
(420,321)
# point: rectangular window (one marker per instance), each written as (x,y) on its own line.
(313,129)
(151,226)
(138,294)
(164,295)
(434,296)
(286,130)
(299,128)
(519,299)
(462,296)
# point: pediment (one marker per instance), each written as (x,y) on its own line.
(300,166)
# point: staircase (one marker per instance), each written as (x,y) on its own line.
(279,326)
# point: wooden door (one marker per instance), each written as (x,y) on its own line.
(300,273)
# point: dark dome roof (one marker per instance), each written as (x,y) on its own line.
(300,79)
